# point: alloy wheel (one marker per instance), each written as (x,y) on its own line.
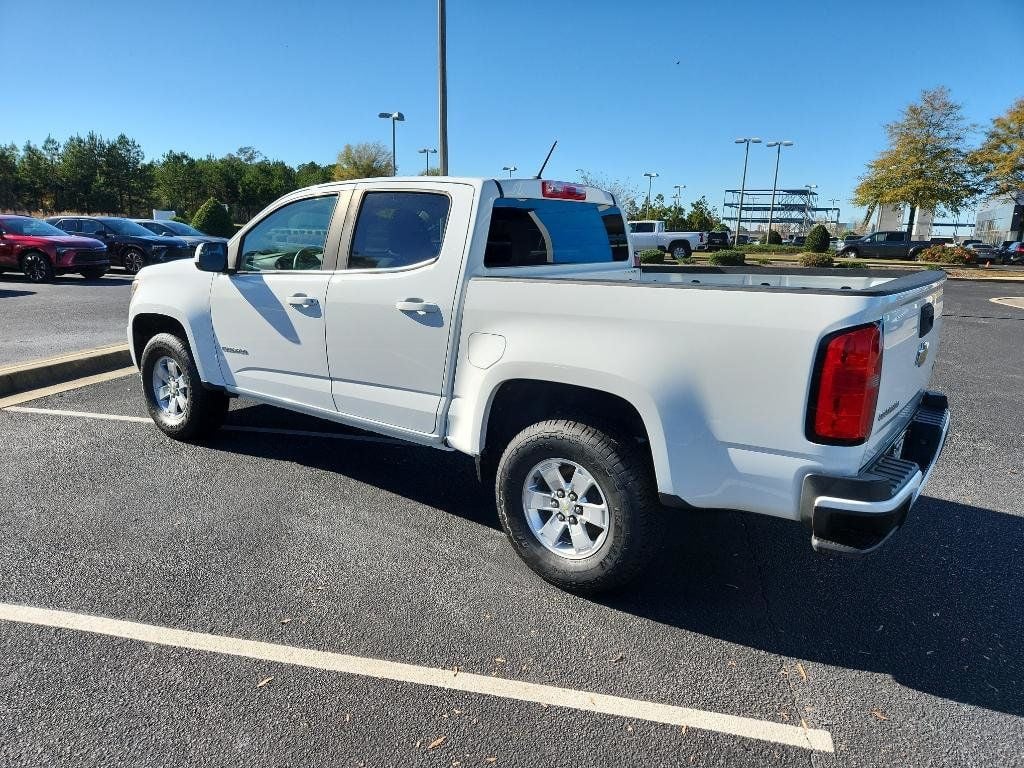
(565,508)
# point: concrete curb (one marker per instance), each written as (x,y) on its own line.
(36,374)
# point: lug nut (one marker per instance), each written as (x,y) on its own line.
(572,496)
(578,510)
(554,503)
(561,517)
(560,493)
(572,519)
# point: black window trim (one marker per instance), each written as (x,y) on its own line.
(356,206)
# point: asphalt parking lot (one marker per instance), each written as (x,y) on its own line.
(67,315)
(301,534)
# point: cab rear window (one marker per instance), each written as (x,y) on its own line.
(532,232)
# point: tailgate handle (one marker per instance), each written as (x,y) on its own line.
(927,321)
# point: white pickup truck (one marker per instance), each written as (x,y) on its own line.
(504,319)
(646,235)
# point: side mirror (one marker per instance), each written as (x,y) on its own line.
(212,257)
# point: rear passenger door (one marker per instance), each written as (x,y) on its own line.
(391,304)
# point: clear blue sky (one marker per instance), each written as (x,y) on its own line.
(298,80)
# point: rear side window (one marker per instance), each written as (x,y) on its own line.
(641,226)
(69,225)
(398,229)
(894,237)
(531,232)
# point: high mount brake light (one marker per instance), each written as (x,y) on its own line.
(561,190)
(844,389)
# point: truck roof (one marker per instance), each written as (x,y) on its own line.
(509,188)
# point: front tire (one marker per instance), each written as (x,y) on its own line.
(175,396)
(37,267)
(578,505)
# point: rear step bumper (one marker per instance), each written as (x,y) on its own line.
(855,515)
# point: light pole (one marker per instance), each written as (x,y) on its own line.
(510,168)
(394,117)
(442,85)
(679,191)
(743,183)
(427,152)
(651,176)
(807,205)
(775,183)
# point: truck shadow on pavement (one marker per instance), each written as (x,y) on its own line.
(939,607)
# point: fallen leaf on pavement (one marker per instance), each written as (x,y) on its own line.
(879,714)
(437,742)
(490,759)
(800,669)
(286,621)
(499,660)
(263,682)
(617,657)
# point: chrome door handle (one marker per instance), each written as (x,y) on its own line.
(416,305)
(301,300)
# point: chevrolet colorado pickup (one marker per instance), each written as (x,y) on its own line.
(505,319)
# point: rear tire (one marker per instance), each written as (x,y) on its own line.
(175,396)
(848,253)
(93,273)
(680,250)
(587,550)
(133,260)
(37,267)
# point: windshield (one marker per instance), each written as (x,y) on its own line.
(125,227)
(34,227)
(182,229)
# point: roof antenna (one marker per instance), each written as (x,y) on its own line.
(541,171)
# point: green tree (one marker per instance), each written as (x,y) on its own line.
(363,161)
(212,219)
(774,238)
(702,217)
(926,163)
(308,174)
(179,183)
(262,183)
(9,182)
(431,172)
(817,239)
(1000,158)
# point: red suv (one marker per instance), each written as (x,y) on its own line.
(40,250)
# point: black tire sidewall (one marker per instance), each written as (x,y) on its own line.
(600,569)
(204,410)
(47,275)
(130,254)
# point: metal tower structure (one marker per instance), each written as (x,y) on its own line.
(795,210)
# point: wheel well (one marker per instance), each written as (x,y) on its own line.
(27,251)
(684,243)
(146,326)
(519,403)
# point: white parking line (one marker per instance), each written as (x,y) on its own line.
(762,730)
(1017,302)
(226,428)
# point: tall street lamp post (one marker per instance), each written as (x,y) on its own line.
(427,152)
(394,117)
(442,85)
(743,183)
(679,191)
(775,183)
(651,176)
(510,169)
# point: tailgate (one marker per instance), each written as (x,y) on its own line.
(910,334)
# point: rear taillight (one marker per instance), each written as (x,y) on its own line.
(561,190)
(844,390)
(1020,249)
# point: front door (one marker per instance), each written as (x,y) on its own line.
(268,316)
(390,310)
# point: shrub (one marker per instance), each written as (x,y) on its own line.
(763,261)
(774,238)
(940,254)
(686,260)
(851,264)
(652,256)
(771,248)
(727,259)
(212,219)
(816,260)
(817,239)
(180,220)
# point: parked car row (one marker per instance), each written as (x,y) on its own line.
(90,245)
